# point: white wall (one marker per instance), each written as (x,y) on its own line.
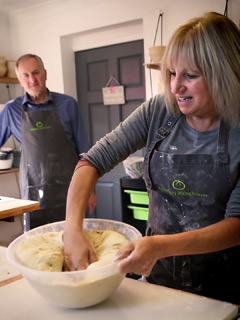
(52,30)
(5,37)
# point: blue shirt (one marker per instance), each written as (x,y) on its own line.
(68,111)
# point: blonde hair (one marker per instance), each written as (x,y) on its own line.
(211,45)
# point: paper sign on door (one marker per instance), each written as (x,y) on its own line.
(113,94)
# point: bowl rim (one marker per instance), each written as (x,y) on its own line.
(6,149)
(111,267)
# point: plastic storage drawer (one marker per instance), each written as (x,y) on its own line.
(139,213)
(138,197)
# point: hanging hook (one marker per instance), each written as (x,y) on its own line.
(226,9)
(159,20)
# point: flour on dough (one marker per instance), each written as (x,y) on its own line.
(45,251)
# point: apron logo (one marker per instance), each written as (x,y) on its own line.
(179,190)
(178,185)
(40,126)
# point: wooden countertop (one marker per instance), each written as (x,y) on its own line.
(12,170)
(10,207)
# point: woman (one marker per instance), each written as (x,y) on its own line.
(191,168)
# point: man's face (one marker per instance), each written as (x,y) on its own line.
(32,77)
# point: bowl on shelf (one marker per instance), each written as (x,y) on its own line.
(3,68)
(74,289)
(6,158)
(156,53)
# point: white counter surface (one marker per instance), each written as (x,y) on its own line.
(6,271)
(133,300)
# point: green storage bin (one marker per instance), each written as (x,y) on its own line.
(138,197)
(139,213)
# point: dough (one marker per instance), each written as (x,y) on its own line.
(45,251)
(106,243)
(42,252)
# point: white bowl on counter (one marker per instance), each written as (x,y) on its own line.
(74,289)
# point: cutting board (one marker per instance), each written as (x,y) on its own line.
(133,300)
(6,271)
(10,207)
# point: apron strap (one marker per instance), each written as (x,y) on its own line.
(166,128)
(161,134)
(223,142)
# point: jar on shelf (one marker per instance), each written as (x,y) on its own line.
(11,69)
(3,68)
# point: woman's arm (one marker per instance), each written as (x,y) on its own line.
(139,256)
(78,253)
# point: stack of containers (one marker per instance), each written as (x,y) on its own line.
(139,204)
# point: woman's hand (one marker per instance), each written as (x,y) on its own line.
(78,253)
(138,256)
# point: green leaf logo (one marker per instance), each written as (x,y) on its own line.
(39,124)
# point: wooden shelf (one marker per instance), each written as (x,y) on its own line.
(12,170)
(154,66)
(7,80)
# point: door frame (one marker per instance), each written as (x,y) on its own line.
(96,38)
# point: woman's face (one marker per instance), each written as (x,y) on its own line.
(191,91)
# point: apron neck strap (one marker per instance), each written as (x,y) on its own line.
(24,105)
(164,130)
(223,138)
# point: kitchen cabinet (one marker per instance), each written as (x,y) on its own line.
(9,187)
(12,89)
(15,171)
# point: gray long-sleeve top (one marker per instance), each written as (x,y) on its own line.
(138,130)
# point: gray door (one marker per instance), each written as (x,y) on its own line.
(93,70)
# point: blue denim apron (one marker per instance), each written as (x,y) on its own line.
(187,192)
(47,163)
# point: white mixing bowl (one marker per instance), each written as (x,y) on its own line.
(75,289)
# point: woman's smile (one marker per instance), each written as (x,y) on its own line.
(191,91)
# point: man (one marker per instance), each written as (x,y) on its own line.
(51,135)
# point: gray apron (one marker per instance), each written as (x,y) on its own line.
(47,162)
(187,192)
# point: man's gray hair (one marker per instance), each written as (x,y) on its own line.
(29,55)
